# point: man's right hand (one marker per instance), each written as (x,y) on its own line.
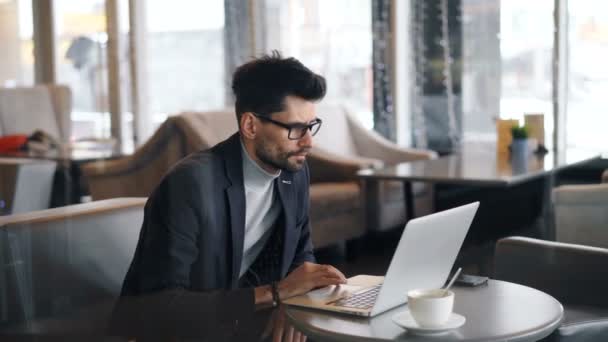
(309,276)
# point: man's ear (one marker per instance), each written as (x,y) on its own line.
(248,126)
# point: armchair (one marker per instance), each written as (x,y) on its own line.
(581,214)
(62,268)
(346,141)
(46,107)
(138,174)
(335,208)
(569,272)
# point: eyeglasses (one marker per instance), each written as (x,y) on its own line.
(297,130)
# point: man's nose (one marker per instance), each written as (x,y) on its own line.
(306,140)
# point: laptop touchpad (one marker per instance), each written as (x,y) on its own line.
(332,292)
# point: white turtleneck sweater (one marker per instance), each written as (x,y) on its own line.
(262,208)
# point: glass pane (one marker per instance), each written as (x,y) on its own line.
(16,29)
(526,47)
(586,119)
(82,64)
(507,64)
(334,39)
(185,56)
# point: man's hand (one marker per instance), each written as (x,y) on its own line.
(309,276)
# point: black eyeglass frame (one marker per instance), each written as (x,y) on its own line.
(313,127)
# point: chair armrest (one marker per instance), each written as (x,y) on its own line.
(587,331)
(370,143)
(581,195)
(72,211)
(573,274)
(605,177)
(326,166)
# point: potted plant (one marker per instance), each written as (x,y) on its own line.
(519,144)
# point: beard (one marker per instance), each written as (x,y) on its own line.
(280,159)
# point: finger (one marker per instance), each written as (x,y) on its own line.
(277,333)
(335,271)
(325,281)
(325,274)
(297,336)
(288,333)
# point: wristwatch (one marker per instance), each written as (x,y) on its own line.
(276,300)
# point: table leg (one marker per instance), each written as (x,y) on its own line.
(408,197)
(547,212)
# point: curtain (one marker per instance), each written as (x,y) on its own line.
(384,114)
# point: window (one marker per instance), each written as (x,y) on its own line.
(16,30)
(81,42)
(507,64)
(526,47)
(334,39)
(586,117)
(185,56)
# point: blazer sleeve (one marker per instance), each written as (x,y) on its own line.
(168,244)
(304,250)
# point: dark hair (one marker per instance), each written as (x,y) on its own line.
(261,85)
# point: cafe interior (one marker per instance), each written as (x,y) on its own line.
(430,105)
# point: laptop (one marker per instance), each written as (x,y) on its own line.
(423,259)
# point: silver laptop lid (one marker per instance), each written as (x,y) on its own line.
(425,254)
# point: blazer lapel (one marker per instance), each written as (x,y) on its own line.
(235,193)
(286,190)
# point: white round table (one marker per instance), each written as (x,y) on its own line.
(498,311)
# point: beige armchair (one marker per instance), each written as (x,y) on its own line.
(45,107)
(138,174)
(336,205)
(581,214)
(62,269)
(343,140)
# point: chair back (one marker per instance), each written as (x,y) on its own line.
(25,184)
(210,127)
(581,214)
(335,135)
(43,107)
(67,262)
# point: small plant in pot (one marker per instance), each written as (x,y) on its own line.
(519,145)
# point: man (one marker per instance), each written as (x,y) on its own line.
(232,222)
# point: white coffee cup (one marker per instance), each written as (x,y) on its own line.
(430,308)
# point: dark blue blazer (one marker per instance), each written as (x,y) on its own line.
(193,230)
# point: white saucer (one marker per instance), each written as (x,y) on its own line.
(405,320)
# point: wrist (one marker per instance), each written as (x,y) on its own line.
(283,290)
(263,295)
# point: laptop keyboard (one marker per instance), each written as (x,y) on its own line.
(361,300)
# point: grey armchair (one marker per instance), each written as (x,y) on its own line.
(61,269)
(46,107)
(346,142)
(581,214)
(336,204)
(573,274)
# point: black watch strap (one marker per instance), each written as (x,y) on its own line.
(276,300)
